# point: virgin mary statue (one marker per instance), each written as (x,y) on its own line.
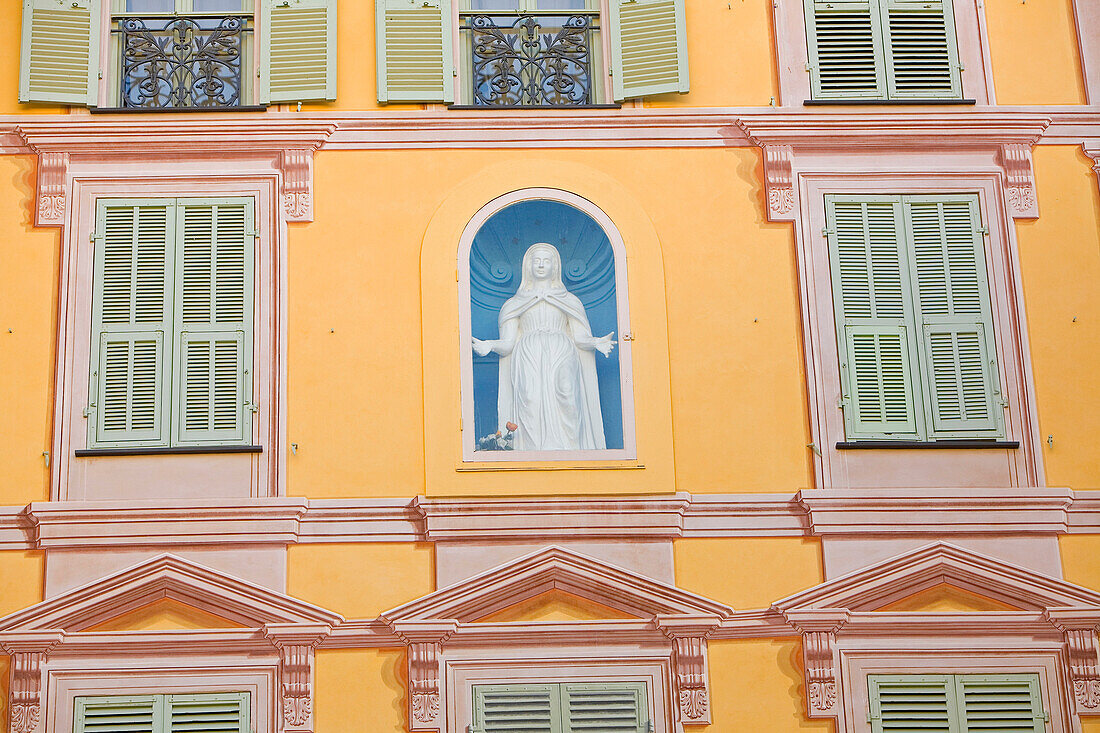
(547,382)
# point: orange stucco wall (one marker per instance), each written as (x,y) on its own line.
(1033,46)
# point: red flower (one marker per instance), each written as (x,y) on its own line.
(512,427)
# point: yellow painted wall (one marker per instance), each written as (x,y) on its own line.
(1033,46)
(757,685)
(28,307)
(755,570)
(383,575)
(728,321)
(360,690)
(1079,559)
(22,579)
(1060,265)
(165,615)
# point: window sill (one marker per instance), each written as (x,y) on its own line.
(564,466)
(522,107)
(887,102)
(175,110)
(926,445)
(179,451)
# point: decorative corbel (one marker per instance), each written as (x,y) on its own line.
(28,653)
(424,640)
(53,173)
(779,182)
(1079,626)
(297,191)
(690,672)
(1019,180)
(1092,150)
(296,644)
(818,628)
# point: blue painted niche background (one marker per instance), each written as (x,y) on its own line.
(588,270)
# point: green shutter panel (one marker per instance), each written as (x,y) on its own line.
(59,61)
(1000,703)
(207,713)
(605,708)
(414,44)
(952,295)
(913,703)
(132,714)
(534,708)
(844,41)
(298,50)
(213,316)
(874,316)
(131,316)
(922,55)
(648,47)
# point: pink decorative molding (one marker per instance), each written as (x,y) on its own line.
(424,645)
(1088,44)
(296,643)
(1019,180)
(1092,149)
(1080,627)
(53,173)
(297,193)
(779,182)
(690,672)
(25,698)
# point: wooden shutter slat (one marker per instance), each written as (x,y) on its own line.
(604,708)
(921,49)
(1000,703)
(60,51)
(845,50)
(532,708)
(111,714)
(208,713)
(923,703)
(952,303)
(298,52)
(648,48)
(414,44)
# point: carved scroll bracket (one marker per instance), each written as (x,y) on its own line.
(297,188)
(53,175)
(690,673)
(28,654)
(296,643)
(424,640)
(779,182)
(1092,149)
(818,629)
(1019,180)
(1080,629)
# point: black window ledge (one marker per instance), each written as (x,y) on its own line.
(176,110)
(887,102)
(178,451)
(928,445)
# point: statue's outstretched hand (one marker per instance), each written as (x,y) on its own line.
(482,348)
(604,344)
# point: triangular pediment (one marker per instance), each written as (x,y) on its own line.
(556,569)
(878,586)
(167,577)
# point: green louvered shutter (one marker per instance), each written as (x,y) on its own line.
(298,50)
(533,708)
(1007,703)
(207,713)
(922,55)
(874,316)
(414,44)
(952,296)
(60,51)
(132,714)
(913,703)
(605,708)
(213,318)
(648,47)
(846,57)
(131,323)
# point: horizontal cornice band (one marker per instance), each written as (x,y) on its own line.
(289,520)
(628,128)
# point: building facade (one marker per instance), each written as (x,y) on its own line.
(547,366)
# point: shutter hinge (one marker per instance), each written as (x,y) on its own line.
(253,233)
(826,231)
(809,67)
(87,411)
(983,230)
(94,236)
(251,407)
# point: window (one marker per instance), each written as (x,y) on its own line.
(202,713)
(913,318)
(172,323)
(529,53)
(882,49)
(970,703)
(177,54)
(561,708)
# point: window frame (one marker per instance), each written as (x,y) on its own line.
(470,454)
(792,49)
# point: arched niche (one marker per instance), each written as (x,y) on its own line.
(593,268)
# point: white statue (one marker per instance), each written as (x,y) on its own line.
(547,389)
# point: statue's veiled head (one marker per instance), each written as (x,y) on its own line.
(541,268)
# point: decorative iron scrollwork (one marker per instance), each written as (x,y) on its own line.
(534,60)
(192,61)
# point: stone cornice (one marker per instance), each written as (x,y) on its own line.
(287,520)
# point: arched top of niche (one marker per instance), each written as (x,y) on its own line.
(594,271)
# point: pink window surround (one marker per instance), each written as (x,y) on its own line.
(970,29)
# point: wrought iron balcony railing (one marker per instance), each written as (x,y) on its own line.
(181,62)
(531,60)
